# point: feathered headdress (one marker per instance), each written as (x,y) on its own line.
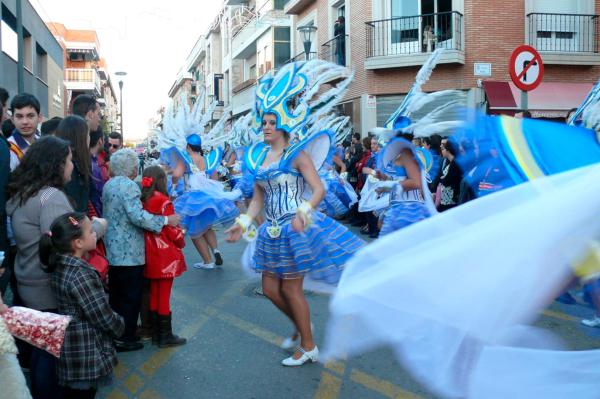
(423,114)
(295,96)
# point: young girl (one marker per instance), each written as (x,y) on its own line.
(164,258)
(88,356)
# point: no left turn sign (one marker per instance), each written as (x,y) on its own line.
(526,68)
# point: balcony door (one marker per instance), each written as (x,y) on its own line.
(420,25)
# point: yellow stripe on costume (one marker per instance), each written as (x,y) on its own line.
(518,144)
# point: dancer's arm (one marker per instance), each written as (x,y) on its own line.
(413,172)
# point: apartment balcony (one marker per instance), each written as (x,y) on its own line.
(294,7)
(243,97)
(408,41)
(334,50)
(86,80)
(257,21)
(564,39)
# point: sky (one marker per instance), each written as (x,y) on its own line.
(150,40)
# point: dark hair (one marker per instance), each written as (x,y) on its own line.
(95,136)
(366,142)
(58,241)
(25,100)
(356,136)
(83,104)
(7,128)
(196,148)
(49,127)
(3,96)
(159,182)
(435,143)
(42,166)
(451,147)
(116,136)
(75,130)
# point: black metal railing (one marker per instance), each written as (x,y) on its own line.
(416,34)
(334,50)
(302,57)
(565,33)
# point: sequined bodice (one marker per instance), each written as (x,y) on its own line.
(283,194)
(412,195)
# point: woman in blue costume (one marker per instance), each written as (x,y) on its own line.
(204,202)
(296,242)
(403,169)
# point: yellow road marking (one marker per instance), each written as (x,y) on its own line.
(337,367)
(150,394)
(385,388)
(248,327)
(116,394)
(558,315)
(329,386)
(133,383)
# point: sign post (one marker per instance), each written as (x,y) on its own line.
(526,71)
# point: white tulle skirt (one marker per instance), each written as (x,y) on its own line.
(453,295)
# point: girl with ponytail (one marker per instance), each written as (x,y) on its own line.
(88,355)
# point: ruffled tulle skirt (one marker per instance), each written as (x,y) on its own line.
(341,189)
(319,253)
(332,206)
(199,211)
(402,214)
(243,183)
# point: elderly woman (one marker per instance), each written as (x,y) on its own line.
(124,242)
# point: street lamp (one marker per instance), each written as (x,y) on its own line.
(307,31)
(121,73)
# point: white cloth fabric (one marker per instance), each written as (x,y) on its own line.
(452,294)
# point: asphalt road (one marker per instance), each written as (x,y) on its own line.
(233,347)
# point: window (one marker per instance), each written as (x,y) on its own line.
(563,26)
(41,63)
(252,71)
(281,45)
(9,41)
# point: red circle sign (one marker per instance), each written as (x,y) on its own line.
(526,68)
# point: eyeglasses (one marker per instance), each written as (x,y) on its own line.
(115,146)
(270,122)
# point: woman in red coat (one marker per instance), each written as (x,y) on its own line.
(164,258)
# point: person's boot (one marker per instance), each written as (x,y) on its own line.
(155,327)
(166,338)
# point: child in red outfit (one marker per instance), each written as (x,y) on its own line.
(164,258)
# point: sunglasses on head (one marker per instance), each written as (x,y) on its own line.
(271,122)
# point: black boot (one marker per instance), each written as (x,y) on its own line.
(155,327)
(166,338)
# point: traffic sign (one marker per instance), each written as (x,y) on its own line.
(526,68)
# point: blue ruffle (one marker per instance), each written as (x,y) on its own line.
(319,253)
(199,211)
(402,214)
(337,188)
(332,206)
(245,183)
(172,155)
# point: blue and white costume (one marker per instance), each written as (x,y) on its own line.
(319,252)
(204,202)
(406,207)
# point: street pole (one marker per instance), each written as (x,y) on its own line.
(121,106)
(524,101)
(20,49)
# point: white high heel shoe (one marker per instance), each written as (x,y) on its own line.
(291,343)
(307,356)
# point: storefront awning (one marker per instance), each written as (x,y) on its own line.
(549,100)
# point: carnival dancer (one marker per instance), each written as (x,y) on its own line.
(458,317)
(402,170)
(340,195)
(296,242)
(204,203)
